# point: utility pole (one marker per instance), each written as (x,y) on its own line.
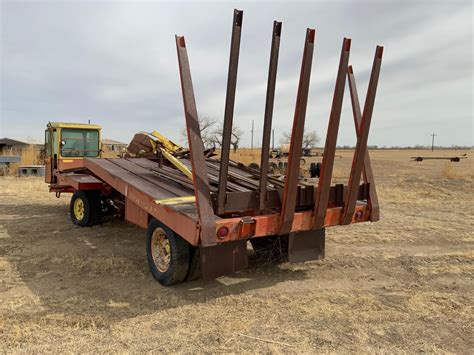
(432,140)
(251,142)
(273,139)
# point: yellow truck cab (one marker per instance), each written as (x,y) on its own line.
(66,145)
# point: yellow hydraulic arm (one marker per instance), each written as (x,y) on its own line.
(167,148)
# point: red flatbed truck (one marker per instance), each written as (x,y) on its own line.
(201,223)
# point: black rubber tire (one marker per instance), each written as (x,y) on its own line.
(194,271)
(92,208)
(254,166)
(180,255)
(272,248)
(315,170)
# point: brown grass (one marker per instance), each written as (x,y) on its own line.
(401,285)
(456,171)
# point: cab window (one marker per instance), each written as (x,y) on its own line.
(79,143)
(47,144)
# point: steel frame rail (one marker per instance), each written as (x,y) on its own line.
(269,102)
(196,148)
(229,107)
(367,170)
(362,128)
(291,183)
(322,192)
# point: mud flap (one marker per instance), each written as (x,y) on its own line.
(306,246)
(223,259)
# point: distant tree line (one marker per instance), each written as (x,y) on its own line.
(211,133)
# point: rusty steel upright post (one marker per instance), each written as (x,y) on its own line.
(229,108)
(196,148)
(350,199)
(321,197)
(367,170)
(293,169)
(267,124)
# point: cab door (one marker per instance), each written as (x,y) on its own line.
(50,160)
(47,159)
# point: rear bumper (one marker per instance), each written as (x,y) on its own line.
(265,225)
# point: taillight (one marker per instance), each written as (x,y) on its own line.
(222,232)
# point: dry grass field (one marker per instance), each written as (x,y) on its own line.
(404,284)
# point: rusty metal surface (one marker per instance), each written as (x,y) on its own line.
(268,224)
(306,245)
(144,194)
(135,214)
(367,170)
(196,147)
(223,259)
(132,166)
(183,218)
(248,201)
(269,101)
(291,183)
(81,181)
(229,106)
(362,138)
(322,192)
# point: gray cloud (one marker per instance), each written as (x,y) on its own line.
(115,64)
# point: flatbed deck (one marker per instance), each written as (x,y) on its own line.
(163,193)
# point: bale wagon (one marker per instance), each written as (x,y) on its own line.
(199,212)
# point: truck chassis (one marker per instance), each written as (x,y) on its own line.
(201,226)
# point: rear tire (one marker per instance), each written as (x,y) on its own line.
(194,271)
(85,208)
(167,253)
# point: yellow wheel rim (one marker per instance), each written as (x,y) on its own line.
(79,209)
(161,250)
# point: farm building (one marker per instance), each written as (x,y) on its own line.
(9,146)
(29,153)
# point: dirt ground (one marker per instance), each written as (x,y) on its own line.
(404,284)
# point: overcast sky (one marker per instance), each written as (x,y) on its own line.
(115,63)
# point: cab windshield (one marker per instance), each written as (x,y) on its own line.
(79,143)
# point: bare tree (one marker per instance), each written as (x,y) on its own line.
(206,126)
(310,139)
(285,138)
(234,138)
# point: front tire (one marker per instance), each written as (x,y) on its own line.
(85,208)
(167,253)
